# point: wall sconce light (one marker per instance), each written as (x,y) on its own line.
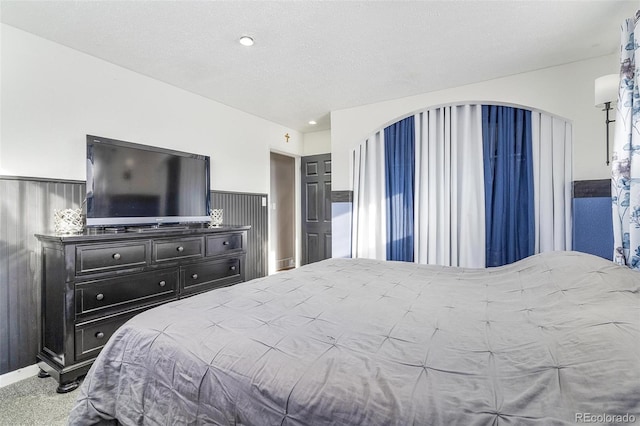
(606,92)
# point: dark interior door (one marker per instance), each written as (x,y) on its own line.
(316,208)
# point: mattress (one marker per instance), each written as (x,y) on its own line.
(547,340)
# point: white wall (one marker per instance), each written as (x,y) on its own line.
(567,91)
(317,142)
(53,96)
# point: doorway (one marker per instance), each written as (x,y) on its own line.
(282,217)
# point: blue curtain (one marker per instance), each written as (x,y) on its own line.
(399,158)
(508,181)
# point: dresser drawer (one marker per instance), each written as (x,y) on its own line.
(124,291)
(106,257)
(177,249)
(225,243)
(205,276)
(92,336)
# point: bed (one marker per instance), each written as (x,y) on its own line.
(552,339)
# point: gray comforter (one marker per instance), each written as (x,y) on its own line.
(360,342)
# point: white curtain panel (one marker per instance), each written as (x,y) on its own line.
(449,199)
(552,182)
(369,228)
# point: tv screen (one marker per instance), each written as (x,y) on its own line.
(133,184)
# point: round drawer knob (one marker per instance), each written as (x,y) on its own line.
(117,256)
(100,296)
(162,283)
(225,243)
(233,268)
(194,276)
(180,249)
(99,335)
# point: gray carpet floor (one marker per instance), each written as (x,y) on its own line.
(34,401)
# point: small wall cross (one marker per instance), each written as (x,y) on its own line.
(286,136)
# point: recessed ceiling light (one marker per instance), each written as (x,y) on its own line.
(312,122)
(246,41)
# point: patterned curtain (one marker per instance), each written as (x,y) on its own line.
(625,182)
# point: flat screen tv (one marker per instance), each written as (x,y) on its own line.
(131,184)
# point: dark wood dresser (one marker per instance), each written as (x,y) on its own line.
(94,282)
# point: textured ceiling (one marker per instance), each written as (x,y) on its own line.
(313,57)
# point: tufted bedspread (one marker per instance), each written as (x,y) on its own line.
(351,341)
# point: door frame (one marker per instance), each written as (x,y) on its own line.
(297,213)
